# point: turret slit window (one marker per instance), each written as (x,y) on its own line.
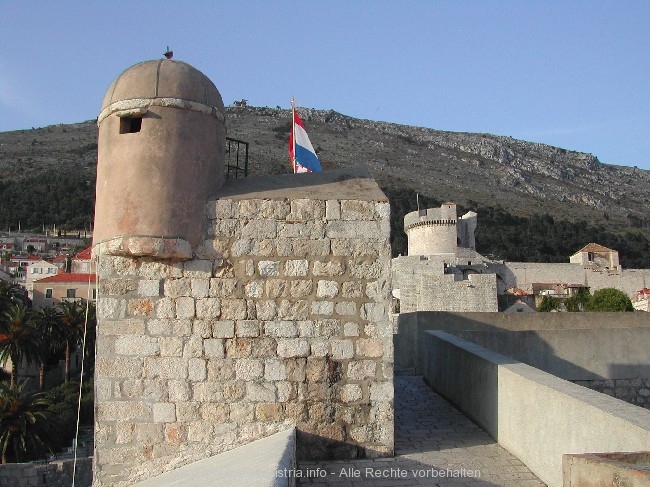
(130,125)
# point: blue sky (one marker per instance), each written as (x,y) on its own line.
(574,74)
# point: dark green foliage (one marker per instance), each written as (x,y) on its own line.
(549,303)
(609,299)
(578,302)
(65,198)
(542,238)
(64,408)
(24,423)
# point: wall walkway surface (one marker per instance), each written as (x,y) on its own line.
(534,415)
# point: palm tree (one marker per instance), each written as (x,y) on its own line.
(18,338)
(12,294)
(73,318)
(52,334)
(23,422)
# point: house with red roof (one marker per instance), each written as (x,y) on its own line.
(64,287)
(641,301)
(82,263)
(596,255)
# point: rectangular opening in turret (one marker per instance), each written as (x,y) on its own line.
(130,125)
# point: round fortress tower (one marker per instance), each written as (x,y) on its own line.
(432,231)
(161,152)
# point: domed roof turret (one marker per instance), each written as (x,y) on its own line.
(162,82)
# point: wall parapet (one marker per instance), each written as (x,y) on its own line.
(536,416)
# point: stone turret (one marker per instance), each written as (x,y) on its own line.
(432,231)
(161,146)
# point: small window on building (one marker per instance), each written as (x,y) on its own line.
(130,125)
(590,256)
(48,293)
(94,293)
(71,293)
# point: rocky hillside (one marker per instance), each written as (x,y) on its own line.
(523,177)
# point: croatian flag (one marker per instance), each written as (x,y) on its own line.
(301,152)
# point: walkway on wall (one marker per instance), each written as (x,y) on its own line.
(432,439)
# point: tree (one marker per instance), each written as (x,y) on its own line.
(12,294)
(23,422)
(52,334)
(578,301)
(549,303)
(18,338)
(73,318)
(609,299)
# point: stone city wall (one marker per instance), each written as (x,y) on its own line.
(635,391)
(53,474)
(281,319)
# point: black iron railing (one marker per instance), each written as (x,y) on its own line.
(236,158)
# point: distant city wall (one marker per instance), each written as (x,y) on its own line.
(576,346)
(535,415)
(524,274)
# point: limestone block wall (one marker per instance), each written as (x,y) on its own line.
(280,319)
(443,292)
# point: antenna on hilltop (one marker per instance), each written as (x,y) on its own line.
(169,54)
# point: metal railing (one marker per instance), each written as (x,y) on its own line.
(236,158)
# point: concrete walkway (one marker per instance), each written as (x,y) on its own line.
(432,439)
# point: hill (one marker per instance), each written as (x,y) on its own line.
(495,175)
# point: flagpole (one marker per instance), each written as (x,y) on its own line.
(293,135)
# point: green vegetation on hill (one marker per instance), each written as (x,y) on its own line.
(63,197)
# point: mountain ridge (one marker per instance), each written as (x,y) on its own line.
(523,177)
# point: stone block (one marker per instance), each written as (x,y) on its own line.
(136,345)
(140,307)
(175,288)
(322,308)
(254,289)
(242,412)
(122,327)
(196,369)
(215,412)
(117,287)
(341,349)
(352,289)
(118,367)
(296,268)
(200,288)
(281,329)
(268,268)
(327,289)
(233,309)
(197,268)
(266,310)
(208,308)
(256,392)
(363,229)
(213,348)
(165,368)
(149,287)
(381,392)
(357,210)
(350,393)
(264,247)
(178,390)
(164,412)
(361,369)
(123,411)
(288,310)
(351,329)
(300,288)
(247,328)
(308,210)
(329,328)
(274,370)
(268,412)
(291,348)
(165,308)
(111,308)
(239,348)
(346,308)
(249,369)
(370,347)
(223,329)
(366,269)
(332,210)
(185,307)
(277,288)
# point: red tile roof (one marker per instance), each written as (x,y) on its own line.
(85,254)
(70,277)
(594,247)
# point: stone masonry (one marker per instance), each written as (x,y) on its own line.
(279,319)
